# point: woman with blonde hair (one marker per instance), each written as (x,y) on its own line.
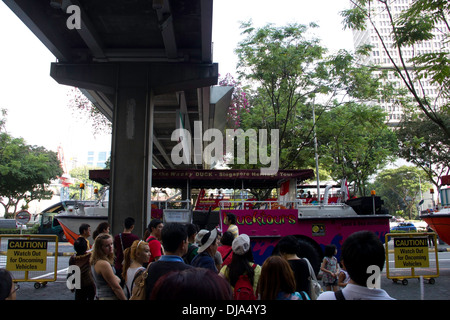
(102,259)
(277,281)
(134,258)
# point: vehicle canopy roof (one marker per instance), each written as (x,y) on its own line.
(200,179)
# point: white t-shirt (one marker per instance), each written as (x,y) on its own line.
(131,272)
(355,292)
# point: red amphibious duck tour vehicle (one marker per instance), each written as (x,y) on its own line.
(327,218)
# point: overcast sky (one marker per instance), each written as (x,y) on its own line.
(38,106)
(229,13)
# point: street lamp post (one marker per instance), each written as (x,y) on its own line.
(421,195)
(316,153)
(420,190)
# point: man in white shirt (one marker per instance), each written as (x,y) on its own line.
(360,251)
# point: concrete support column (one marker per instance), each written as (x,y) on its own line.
(130,151)
(133,84)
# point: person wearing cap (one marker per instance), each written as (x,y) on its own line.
(242,263)
(207,250)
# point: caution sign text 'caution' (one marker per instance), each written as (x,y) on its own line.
(411,252)
(26,255)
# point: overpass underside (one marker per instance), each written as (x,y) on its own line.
(147,66)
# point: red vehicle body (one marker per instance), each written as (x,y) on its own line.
(328,221)
(438,218)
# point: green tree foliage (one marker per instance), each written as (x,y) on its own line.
(355,142)
(423,144)
(417,24)
(401,189)
(353,82)
(288,75)
(282,69)
(81,175)
(25,172)
(410,28)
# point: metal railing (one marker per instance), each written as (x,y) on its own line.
(271,205)
(172,204)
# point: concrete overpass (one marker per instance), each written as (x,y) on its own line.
(147,65)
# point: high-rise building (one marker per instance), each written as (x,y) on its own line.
(382,27)
(97,158)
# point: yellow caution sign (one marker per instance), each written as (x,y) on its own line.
(411,252)
(26,255)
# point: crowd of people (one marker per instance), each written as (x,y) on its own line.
(181,262)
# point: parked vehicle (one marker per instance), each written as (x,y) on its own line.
(76,213)
(8,224)
(48,224)
(405,226)
(438,218)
